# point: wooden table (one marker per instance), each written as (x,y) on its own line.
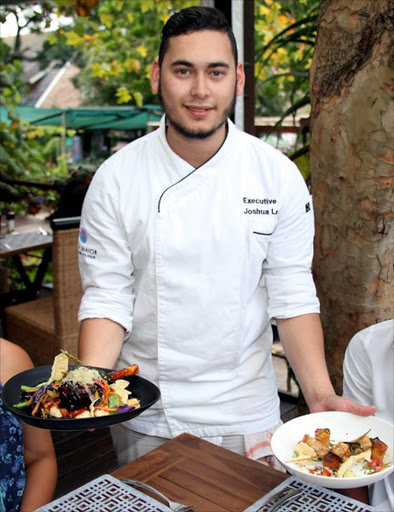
(31,234)
(188,469)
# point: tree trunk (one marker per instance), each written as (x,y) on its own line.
(351,152)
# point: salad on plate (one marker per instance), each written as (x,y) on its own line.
(79,391)
(320,455)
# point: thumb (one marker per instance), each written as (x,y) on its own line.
(355,408)
(364,410)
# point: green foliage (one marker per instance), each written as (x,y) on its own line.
(302,162)
(21,146)
(16,153)
(117,44)
(35,17)
(117,41)
(59,52)
(285,38)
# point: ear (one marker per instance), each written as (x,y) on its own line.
(240,79)
(155,76)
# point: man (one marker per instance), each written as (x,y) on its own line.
(193,239)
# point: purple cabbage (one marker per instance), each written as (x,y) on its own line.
(38,395)
(125,408)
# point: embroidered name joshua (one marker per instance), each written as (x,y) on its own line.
(256,211)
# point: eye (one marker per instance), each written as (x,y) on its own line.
(182,71)
(217,73)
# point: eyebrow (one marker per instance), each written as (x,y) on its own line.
(219,64)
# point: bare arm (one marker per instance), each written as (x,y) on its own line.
(100,342)
(302,340)
(41,468)
(40,458)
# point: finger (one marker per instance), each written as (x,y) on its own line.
(363,410)
(347,405)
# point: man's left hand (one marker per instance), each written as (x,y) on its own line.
(338,403)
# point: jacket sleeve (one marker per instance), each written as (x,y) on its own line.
(105,258)
(287,267)
(357,372)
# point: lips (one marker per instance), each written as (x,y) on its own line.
(198,111)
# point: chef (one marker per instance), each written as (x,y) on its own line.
(194,239)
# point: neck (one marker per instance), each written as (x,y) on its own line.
(193,150)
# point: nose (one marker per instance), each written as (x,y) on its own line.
(200,87)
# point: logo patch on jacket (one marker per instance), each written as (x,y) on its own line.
(83,236)
(307,207)
(83,250)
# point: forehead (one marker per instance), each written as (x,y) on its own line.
(200,47)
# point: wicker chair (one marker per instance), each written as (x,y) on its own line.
(46,325)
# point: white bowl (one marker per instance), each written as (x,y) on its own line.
(343,426)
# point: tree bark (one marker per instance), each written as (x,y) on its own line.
(351,154)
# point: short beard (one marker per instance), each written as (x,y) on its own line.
(197,134)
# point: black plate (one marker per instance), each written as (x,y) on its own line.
(146,392)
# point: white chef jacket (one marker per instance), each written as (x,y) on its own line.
(194,263)
(368,379)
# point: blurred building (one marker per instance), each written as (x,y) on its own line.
(49,87)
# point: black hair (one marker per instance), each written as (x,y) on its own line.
(193,19)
